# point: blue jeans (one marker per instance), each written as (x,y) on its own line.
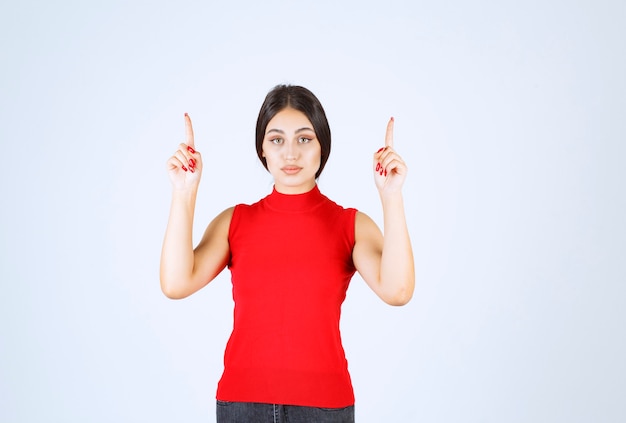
(251,412)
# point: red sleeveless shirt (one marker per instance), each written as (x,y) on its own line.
(291,264)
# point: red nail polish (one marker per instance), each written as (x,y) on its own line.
(381,149)
(192,163)
(381,172)
(186,114)
(377,167)
(191,150)
(385,173)
(184,168)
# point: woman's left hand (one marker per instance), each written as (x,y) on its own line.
(389,168)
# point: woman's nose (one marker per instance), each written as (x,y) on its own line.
(291,151)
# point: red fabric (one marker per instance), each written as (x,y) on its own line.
(291,264)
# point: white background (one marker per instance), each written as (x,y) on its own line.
(511,116)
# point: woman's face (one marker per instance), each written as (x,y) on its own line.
(292,152)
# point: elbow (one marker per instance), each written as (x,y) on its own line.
(172,295)
(170,290)
(399,299)
(401,296)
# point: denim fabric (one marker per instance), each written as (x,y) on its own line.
(250,412)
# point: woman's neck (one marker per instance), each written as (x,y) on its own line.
(295,189)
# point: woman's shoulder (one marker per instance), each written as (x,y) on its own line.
(364,226)
(224,217)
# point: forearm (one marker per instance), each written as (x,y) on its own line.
(177,256)
(397,270)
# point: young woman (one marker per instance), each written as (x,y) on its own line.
(292,255)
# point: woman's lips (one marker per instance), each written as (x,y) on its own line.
(291,170)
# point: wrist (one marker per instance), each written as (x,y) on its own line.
(184,195)
(392,197)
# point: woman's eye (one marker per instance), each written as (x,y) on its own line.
(276,141)
(303,140)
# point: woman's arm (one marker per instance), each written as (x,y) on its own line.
(386,261)
(183,269)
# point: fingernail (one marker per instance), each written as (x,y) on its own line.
(377,167)
(191,150)
(392,118)
(192,163)
(184,168)
(186,114)
(385,172)
(381,149)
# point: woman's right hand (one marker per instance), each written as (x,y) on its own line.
(185,166)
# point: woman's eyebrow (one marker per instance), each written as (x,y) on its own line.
(280,131)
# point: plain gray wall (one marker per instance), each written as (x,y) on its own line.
(510,115)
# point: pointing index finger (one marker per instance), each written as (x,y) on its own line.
(188,132)
(389,134)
